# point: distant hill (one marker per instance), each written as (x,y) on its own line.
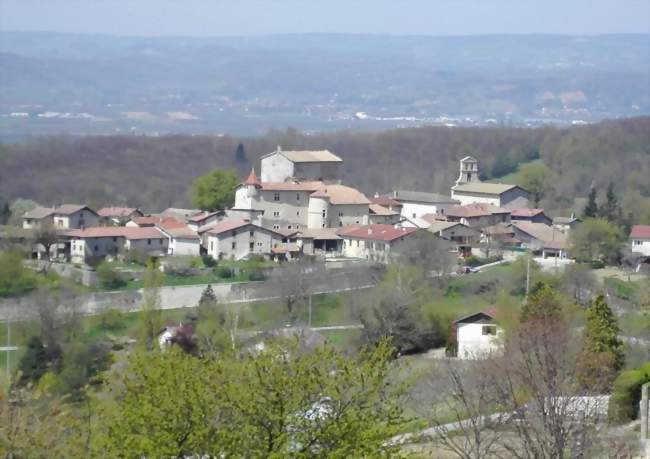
(314,82)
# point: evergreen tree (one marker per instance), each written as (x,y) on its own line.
(611,211)
(240,154)
(5,212)
(208,298)
(35,361)
(602,355)
(591,209)
(543,303)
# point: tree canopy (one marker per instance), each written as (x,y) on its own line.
(215,190)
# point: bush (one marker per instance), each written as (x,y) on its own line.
(15,279)
(223,272)
(256,275)
(195,262)
(208,261)
(109,278)
(112,320)
(597,264)
(476,261)
(624,402)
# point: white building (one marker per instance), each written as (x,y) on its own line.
(469,189)
(94,244)
(182,241)
(415,204)
(377,242)
(477,335)
(237,239)
(640,239)
(280,166)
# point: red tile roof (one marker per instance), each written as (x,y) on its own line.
(640,232)
(165,222)
(385,201)
(126,232)
(526,213)
(378,232)
(227,225)
(475,210)
(252,179)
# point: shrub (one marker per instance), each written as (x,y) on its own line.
(223,272)
(256,275)
(597,264)
(195,262)
(208,261)
(624,402)
(109,278)
(112,320)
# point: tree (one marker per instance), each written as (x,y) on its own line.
(579,281)
(35,361)
(428,253)
(108,277)
(596,238)
(150,315)
(591,209)
(602,355)
(240,154)
(15,279)
(537,178)
(5,211)
(611,210)
(542,304)
(46,236)
(277,403)
(18,208)
(215,190)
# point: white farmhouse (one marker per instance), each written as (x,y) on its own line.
(477,335)
(640,239)
(378,242)
(280,166)
(94,244)
(73,216)
(182,240)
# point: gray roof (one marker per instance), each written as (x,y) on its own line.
(69,209)
(422,196)
(308,156)
(39,212)
(484,188)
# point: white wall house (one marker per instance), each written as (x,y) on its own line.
(94,244)
(640,239)
(182,241)
(478,335)
(378,242)
(237,239)
(415,204)
(195,222)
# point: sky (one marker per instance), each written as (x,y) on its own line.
(261,17)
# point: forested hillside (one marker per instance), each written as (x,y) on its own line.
(156,172)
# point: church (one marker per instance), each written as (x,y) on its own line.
(469,189)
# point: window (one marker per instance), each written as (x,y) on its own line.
(233,245)
(489,330)
(357,243)
(340,214)
(211,246)
(636,242)
(251,246)
(276,196)
(324,213)
(114,239)
(276,213)
(148,241)
(323,225)
(276,227)
(252,233)
(96,248)
(288,226)
(298,214)
(233,233)
(413,214)
(259,244)
(297,196)
(340,223)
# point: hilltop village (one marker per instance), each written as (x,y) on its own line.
(297,206)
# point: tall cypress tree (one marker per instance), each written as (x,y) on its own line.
(611,210)
(240,154)
(602,354)
(591,209)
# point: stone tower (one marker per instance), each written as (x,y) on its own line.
(468,171)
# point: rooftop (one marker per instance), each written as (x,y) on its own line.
(484,188)
(341,194)
(550,237)
(39,212)
(378,232)
(526,213)
(292,186)
(131,233)
(165,222)
(116,211)
(319,233)
(69,209)
(203,216)
(228,224)
(381,210)
(308,156)
(640,232)
(475,210)
(385,201)
(422,196)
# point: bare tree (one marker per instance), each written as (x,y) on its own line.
(538,385)
(465,409)
(46,236)
(297,285)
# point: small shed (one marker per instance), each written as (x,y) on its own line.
(478,335)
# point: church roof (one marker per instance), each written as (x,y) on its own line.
(484,188)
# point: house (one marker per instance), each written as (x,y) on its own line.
(196,221)
(478,335)
(478,215)
(94,244)
(118,215)
(35,217)
(640,239)
(388,202)
(469,189)
(381,214)
(463,236)
(320,241)
(182,240)
(296,205)
(418,203)
(308,165)
(500,234)
(377,242)
(237,239)
(530,215)
(155,220)
(541,239)
(73,216)
(566,224)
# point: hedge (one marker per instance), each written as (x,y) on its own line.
(624,402)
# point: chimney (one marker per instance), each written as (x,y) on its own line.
(279,148)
